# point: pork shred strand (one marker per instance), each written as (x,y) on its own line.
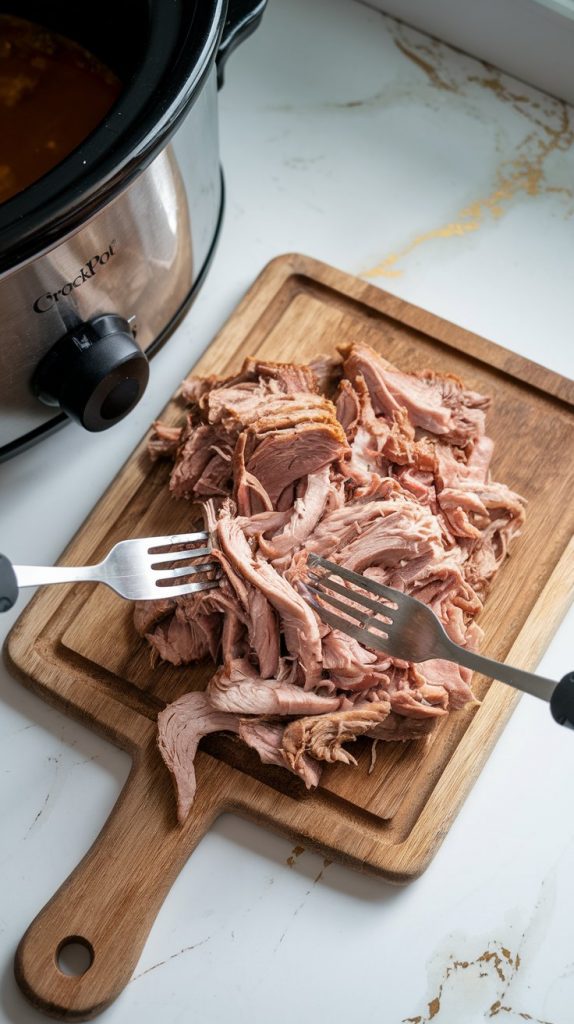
(390,478)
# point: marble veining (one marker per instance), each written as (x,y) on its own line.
(547,128)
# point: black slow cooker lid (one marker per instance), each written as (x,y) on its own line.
(162,50)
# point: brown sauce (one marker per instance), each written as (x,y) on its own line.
(53,93)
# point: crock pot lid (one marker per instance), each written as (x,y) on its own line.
(181,48)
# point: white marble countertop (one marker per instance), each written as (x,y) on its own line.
(356,140)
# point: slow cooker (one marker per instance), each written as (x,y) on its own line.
(100,258)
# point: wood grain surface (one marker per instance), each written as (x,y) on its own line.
(77,648)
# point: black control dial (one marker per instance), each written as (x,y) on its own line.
(96,373)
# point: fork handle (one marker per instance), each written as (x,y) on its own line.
(39,575)
(562,702)
(8,584)
(528,682)
(12,577)
(560,695)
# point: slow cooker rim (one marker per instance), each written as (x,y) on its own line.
(52,208)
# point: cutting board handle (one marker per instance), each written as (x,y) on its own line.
(111,900)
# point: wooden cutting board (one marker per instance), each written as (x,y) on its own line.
(77,648)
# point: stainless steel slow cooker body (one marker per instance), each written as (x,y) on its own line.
(122,232)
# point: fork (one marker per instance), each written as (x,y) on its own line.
(139,570)
(407,629)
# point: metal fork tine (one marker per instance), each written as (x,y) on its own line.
(361,581)
(362,635)
(185,588)
(186,570)
(176,556)
(354,612)
(174,538)
(352,595)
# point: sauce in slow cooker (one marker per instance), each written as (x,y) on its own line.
(53,93)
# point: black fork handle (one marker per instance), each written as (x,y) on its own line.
(8,584)
(560,695)
(562,701)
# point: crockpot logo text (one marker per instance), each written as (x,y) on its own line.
(47,301)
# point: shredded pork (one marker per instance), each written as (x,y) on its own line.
(391,479)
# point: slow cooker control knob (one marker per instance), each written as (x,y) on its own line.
(96,373)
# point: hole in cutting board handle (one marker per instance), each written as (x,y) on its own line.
(74,956)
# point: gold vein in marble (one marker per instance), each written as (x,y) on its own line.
(426,66)
(523,174)
(496,964)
